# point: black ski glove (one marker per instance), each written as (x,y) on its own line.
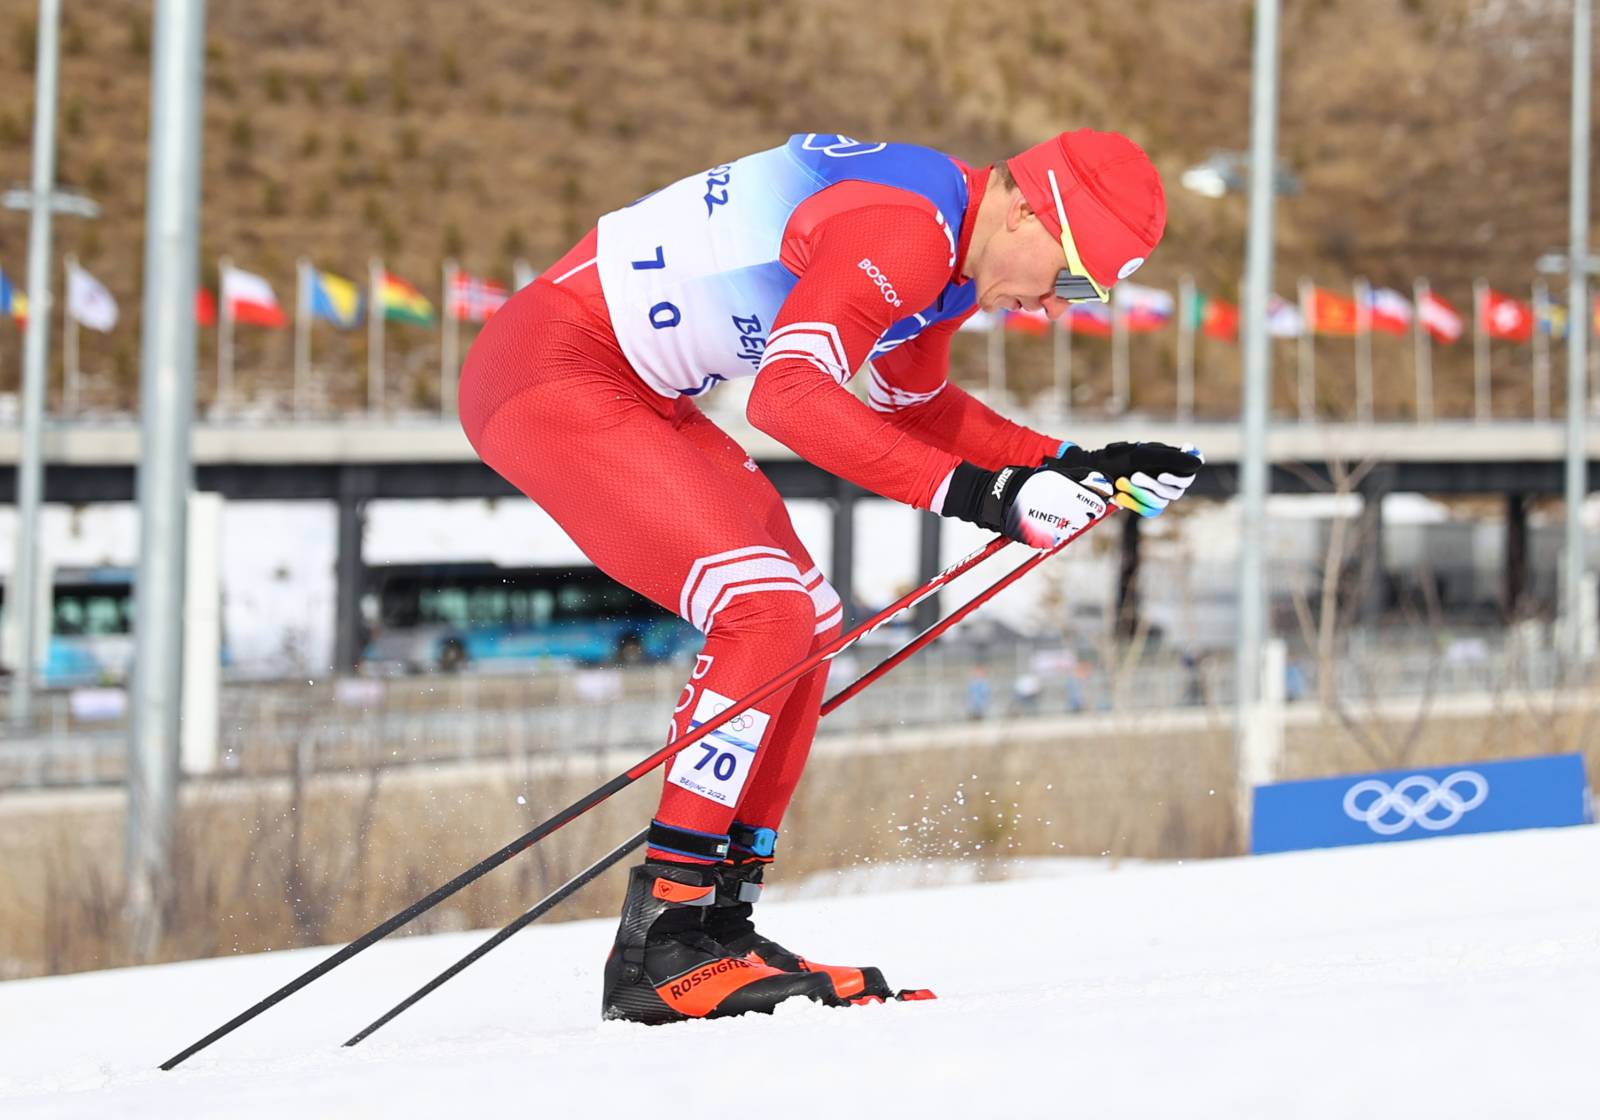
(1148,476)
(1038,506)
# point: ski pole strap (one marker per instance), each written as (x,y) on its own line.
(711,846)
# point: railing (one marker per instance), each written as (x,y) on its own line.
(359,723)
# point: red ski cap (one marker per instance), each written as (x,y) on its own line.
(1111,193)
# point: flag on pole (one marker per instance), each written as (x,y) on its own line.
(1143,309)
(1388,311)
(1438,318)
(1551,319)
(1027,322)
(249,298)
(1284,319)
(473,299)
(1216,318)
(335,299)
(88,301)
(402,302)
(1089,318)
(12,300)
(1331,313)
(205,307)
(1505,317)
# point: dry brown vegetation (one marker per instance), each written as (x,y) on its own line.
(273,864)
(1430,135)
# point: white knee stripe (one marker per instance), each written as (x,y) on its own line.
(823,597)
(714,581)
(833,618)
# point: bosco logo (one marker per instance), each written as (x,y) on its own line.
(875,274)
(838,145)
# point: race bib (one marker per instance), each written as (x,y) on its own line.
(716,767)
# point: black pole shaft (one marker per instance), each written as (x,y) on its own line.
(542,907)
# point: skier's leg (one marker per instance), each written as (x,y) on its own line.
(601,455)
(767,795)
(783,758)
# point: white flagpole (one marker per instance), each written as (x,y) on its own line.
(449,341)
(1480,352)
(1363,294)
(224,339)
(1308,355)
(1422,353)
(1542,323)
(69,343)
(302,333)
(1186,310)
(375,335)
(1119,355)
(997,362)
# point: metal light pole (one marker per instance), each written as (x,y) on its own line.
(1257,367)
(166,397)
(30,470)
(1577,341)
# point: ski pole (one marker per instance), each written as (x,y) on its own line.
(542,907)
(836,701)
(590,800)
(938,628)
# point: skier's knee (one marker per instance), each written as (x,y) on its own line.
(782,619)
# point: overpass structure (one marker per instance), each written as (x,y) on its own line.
(355,461)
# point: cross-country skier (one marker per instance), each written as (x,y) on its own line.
(797,266)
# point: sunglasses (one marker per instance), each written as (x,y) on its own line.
(1073,283)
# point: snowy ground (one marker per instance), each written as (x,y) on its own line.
(1455,978)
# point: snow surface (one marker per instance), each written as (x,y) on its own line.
(1453,978)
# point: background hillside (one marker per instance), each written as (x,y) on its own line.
(1430,136)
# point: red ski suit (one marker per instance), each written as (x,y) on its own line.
(662,500)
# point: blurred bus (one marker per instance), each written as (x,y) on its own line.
(446,616)
(90,627)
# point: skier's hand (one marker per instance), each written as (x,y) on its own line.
(1039,506)
(1148,476)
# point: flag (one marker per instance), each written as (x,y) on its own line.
(12,301)
(1089,318)
(1388,311)
(1027,322)
(1216,318)
(1551,319)
(1144,309)
(473,299)
(1438,318)
(1284,319)
(1504,317)
(249,299)
(981,320)
(88,301)
(1331,313)
(335,299)
(402,302)
(205,307)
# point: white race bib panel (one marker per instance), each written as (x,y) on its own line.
(692,274)
(716,767)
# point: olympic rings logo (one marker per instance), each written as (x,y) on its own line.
(1392,810)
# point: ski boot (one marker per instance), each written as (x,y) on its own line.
(665,968)
(729,921)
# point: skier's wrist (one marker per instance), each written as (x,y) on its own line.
(979,496)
